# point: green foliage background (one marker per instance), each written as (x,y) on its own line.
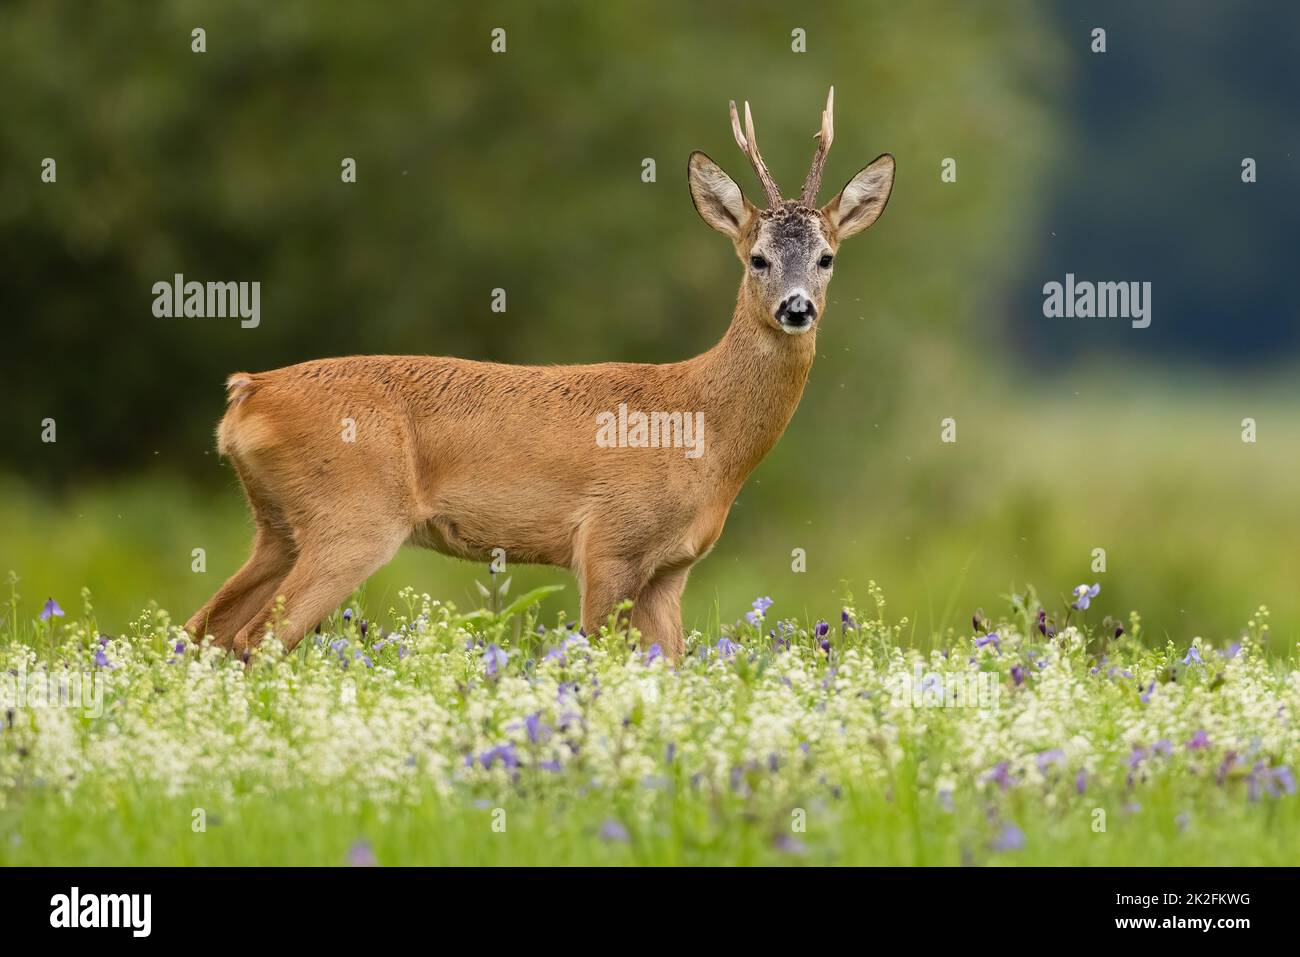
(523,171)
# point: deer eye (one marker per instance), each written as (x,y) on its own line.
(758,262)
(825,261)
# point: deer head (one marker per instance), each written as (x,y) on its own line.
(789,247)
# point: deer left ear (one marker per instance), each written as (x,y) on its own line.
(861,202)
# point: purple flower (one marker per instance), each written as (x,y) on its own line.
(1001,774)
(1047,758)
(789,844)
(1232,650)
(726,647)
(51,610)
(1043,627)
(1010,838)
(1271,781)
(495,659)
(1018,675)
(653,653)
(101,659)
(1081,781)
(612,831)
(347,615)
(846,621)
(534,727)
(1225,767)
(361,854)
(1083,596)
(761,605)
(505,753)
(1198,741)
(1146,695)
(1193,654)
(365,627)
(990,639)
(821,629)
(179,649)
(1163,746)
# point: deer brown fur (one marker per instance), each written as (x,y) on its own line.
(466,457)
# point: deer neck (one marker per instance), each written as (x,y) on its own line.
(751,383)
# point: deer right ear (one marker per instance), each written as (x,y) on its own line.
(717,198)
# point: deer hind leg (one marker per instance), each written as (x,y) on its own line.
(246,591)
(657,613)
(329,567)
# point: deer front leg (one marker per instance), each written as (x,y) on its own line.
(605,582)
(657,613)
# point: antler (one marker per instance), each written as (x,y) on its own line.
(749,146)
(813,183)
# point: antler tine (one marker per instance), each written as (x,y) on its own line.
(813,184)
(748,144)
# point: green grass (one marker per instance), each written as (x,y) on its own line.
(354,748)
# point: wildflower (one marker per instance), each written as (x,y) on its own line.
(1198,741)
(534,727)
(1226,766)
(347,615)
(1081,781)
(1274,782)
(1083,596)
(653,653)
(990,639)
(1000,774)
(51,610)
(612,831)
(1146,695)
(361,854)
(1044,627)
(364,626)
(726,648)
(789,844)
(1046,759)
(101,659)
(505,753)
(495,659)
(1232,650)
(760,606)
(1018,675)
(846,621)
(1193,654)
(1010,838)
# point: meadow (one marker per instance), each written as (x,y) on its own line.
(422,734)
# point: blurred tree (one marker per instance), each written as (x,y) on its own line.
(478,170)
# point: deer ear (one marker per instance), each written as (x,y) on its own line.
(717,198)
(861,202)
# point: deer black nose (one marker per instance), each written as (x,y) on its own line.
(796,310)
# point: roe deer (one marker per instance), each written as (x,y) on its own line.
(466,457)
